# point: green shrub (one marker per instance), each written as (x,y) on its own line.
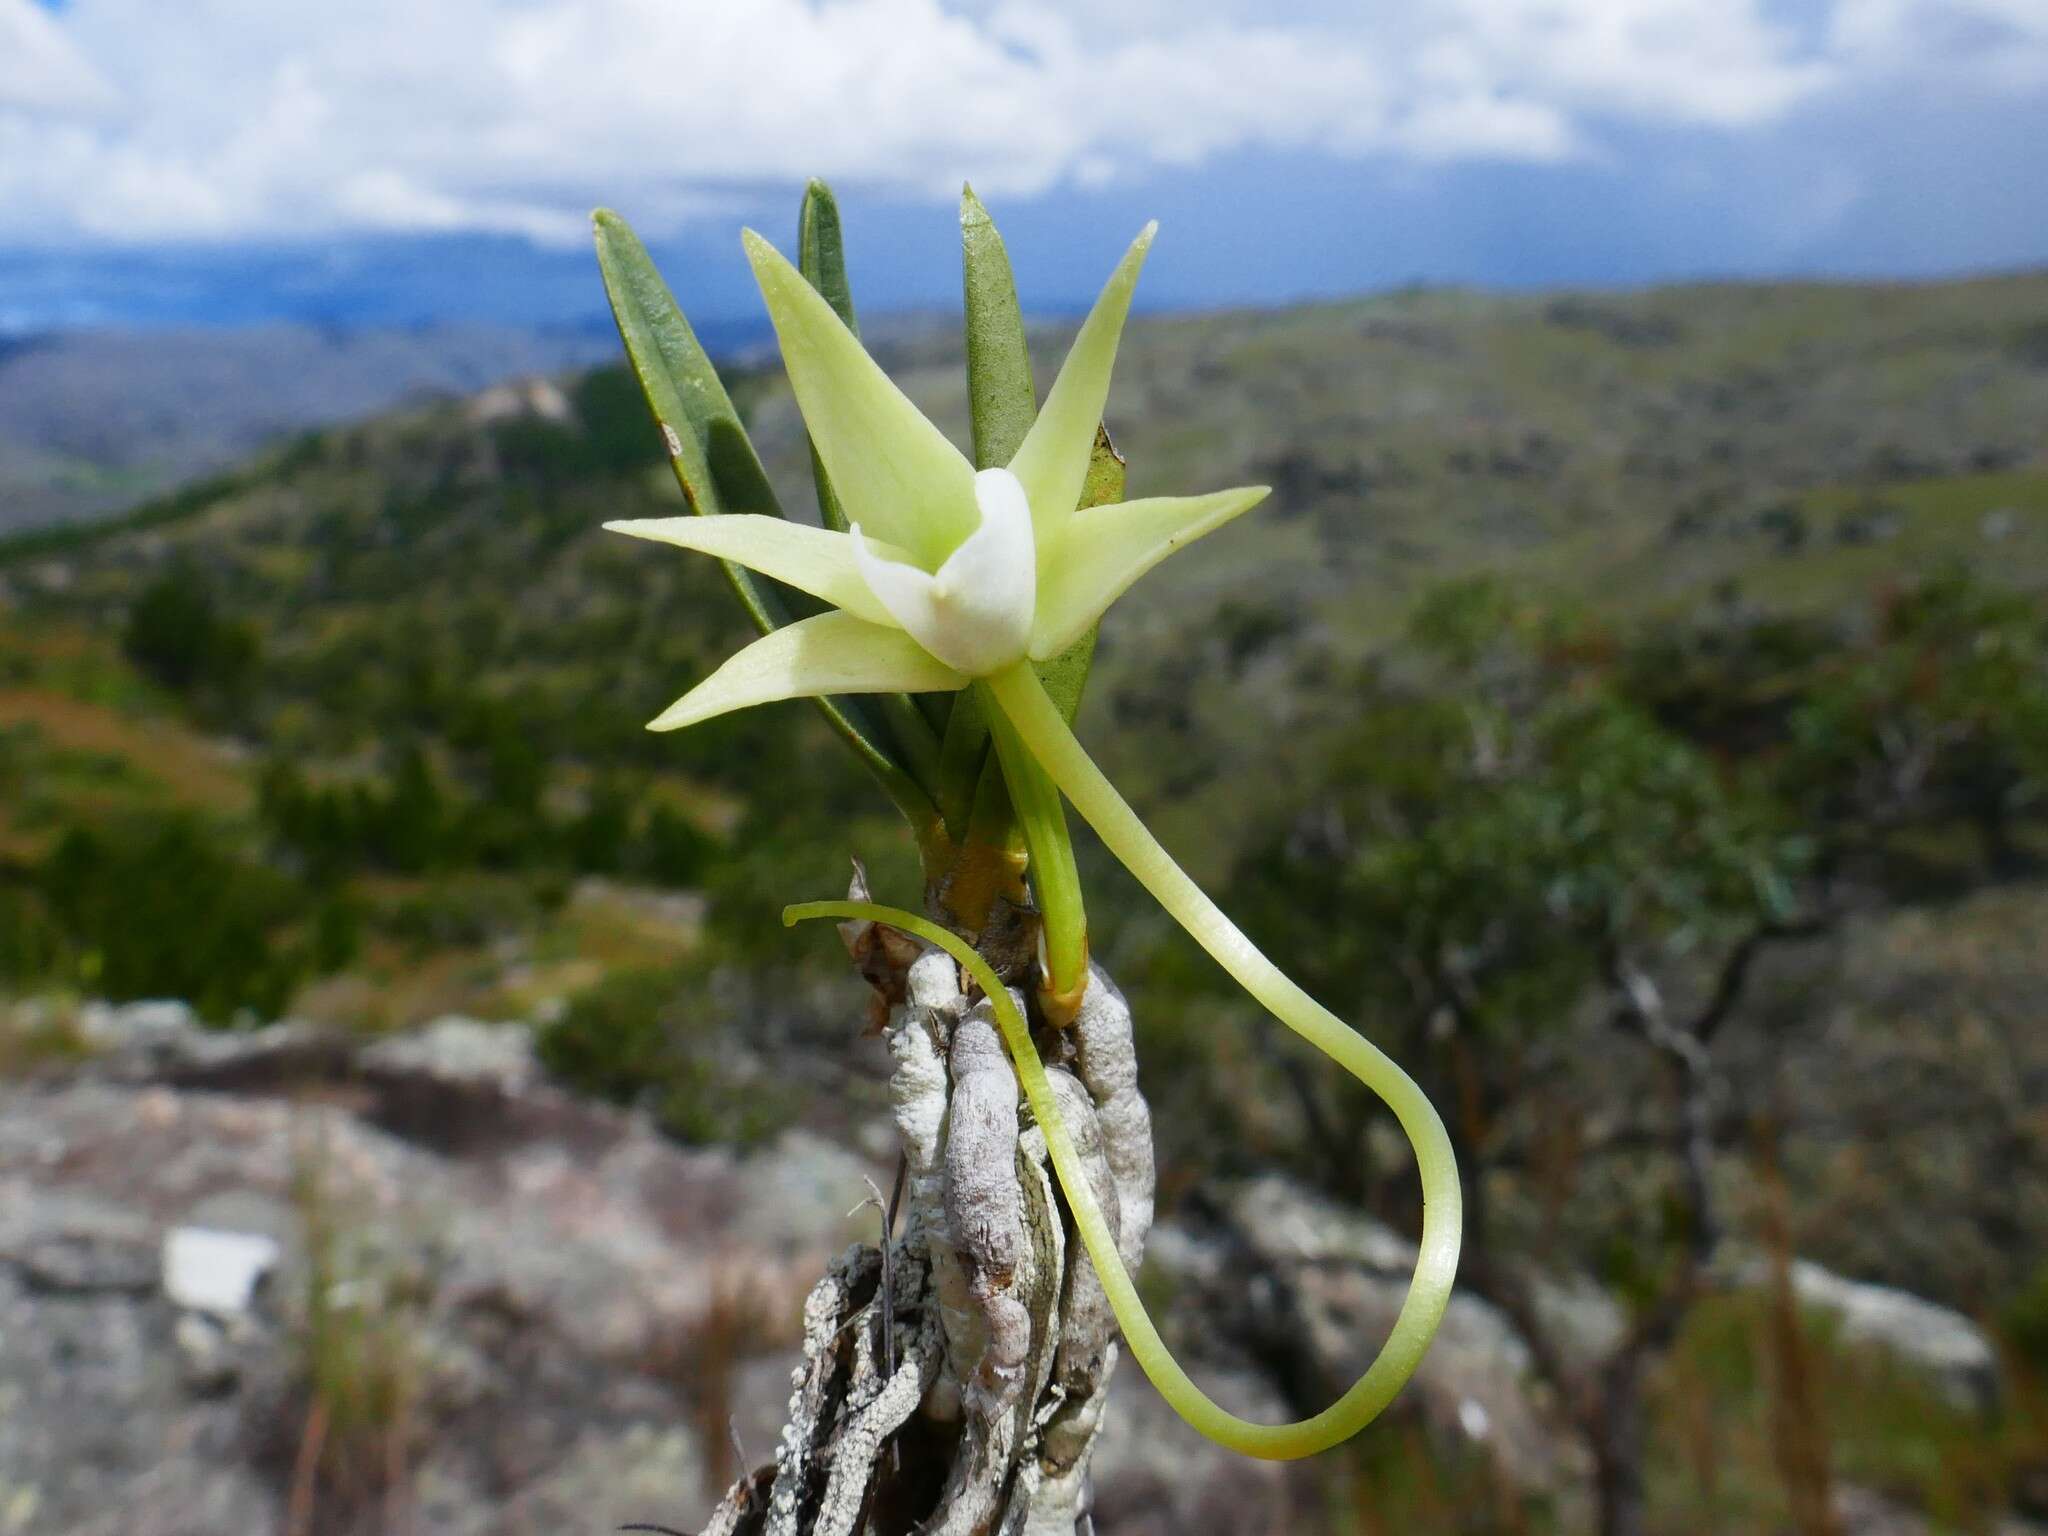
(635,1038)
(160,909)
(2024,1322)
(176,635)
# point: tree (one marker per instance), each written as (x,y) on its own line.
(176,635)
(1542,836)
(1510,837)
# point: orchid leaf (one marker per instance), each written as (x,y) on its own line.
(1000,394)
(821,257)
(1001,402)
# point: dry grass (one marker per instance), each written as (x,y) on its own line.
(193,771)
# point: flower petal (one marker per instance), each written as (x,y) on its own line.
(975,614)
(831,653)
(1053,460)
(813,560)
(894,471)
(1090,559)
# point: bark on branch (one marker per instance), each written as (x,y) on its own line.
(1003,1340)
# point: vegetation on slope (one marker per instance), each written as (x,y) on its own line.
(1688,640)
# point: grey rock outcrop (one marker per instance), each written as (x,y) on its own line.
(552,1318)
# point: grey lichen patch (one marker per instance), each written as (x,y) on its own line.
(985,1207)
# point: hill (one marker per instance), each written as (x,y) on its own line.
(95,421)
(353,732)
(438,576)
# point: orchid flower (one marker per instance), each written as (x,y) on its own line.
(947,575)
(946,578)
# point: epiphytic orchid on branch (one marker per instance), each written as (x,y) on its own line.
(977,589)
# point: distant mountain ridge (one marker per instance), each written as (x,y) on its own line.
(94,421)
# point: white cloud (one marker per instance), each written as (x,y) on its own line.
(1973,44)
(130,120)
(43,72)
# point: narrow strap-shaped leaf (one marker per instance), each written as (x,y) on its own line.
(716,466)
(1004,403)
(1000,395)
(821,257)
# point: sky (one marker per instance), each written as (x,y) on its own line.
(415,161)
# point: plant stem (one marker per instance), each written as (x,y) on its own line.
(1023,702)
(1054,878)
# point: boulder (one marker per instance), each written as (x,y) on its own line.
(1311,1289)
(1952,1353)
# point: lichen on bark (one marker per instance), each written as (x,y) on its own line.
(1001,1339)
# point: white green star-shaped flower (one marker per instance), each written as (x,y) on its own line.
(946,578)
(946,574)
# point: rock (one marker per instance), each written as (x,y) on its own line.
(528,397)
(552,1297)
(572,1309)
(1585,1323)
(1317,1288)
(1865,1512)
(795,1195)
(206,1270)
(207,1361)
(109,1026)
(66,1245)
(1952,1352)
(1156,1477)
(454,1049)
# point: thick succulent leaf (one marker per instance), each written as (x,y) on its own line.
(894,472)
(1000,395)
(830,653)
(1098,553)
(715,462)
(698,422)
(821,257)
(1053,460)
(814,560)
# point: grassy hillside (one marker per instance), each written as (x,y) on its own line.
(355,731)
(428,594)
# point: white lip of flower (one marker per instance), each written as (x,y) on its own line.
(975,613)
(945,575)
